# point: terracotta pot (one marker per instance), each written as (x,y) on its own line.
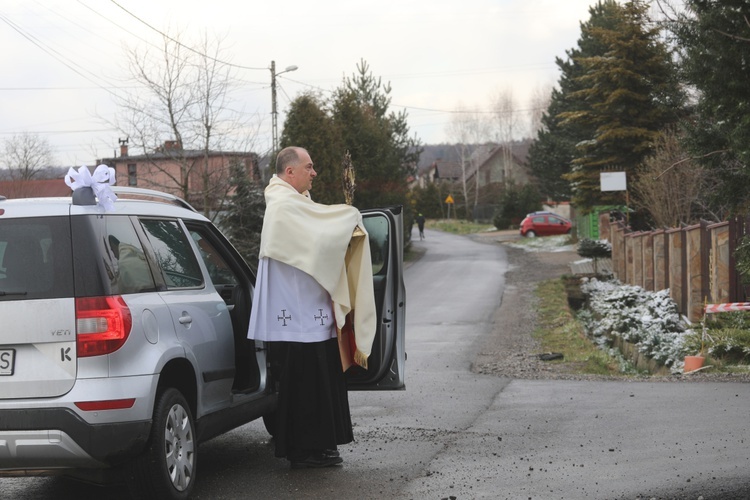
(692,363)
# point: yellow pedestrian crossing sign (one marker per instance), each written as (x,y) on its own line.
(449,200)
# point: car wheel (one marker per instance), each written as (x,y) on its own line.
(168,466)
(530,234)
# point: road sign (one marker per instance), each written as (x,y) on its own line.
(449,200)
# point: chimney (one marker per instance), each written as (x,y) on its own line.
(124,146)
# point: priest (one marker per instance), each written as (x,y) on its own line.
(314,280)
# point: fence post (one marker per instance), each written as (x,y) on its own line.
(648,261)
(674,251)
(684,276)
(705,254)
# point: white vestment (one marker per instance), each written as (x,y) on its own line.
(328,243)
(289,305)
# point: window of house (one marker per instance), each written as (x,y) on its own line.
(132,177)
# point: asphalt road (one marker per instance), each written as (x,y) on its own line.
(453,433)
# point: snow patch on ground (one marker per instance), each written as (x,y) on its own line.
(545,244)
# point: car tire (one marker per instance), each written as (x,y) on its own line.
(167,469)
(530,234)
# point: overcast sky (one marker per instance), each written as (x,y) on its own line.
(61,59)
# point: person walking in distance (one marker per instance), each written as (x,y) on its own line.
(420,225)
(313,270)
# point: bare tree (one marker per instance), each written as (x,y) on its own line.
(538,104)
(507,121)
(184,119)
(670,184)
(467,127)
(26,155)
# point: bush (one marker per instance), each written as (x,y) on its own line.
(650,320)
(514,204)
(594,249)
(742,259)
(727,337)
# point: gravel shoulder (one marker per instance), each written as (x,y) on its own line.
(512,352)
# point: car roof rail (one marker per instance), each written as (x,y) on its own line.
(151,193)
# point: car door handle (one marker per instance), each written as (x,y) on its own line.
(185,319)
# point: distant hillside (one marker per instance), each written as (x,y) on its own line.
(449,152)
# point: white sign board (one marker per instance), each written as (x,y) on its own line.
(613,181)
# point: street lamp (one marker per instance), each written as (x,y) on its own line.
(274,113)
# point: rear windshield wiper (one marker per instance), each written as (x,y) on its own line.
(3,294)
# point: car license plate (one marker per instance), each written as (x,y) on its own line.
(7,361)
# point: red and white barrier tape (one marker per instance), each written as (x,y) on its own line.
(732,306)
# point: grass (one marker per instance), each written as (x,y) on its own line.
(559,331)
(457,226)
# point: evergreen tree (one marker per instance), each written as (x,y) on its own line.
(382,152)
(309,125)
(243,221)
(355,119)
(515,203)
(633,93)
(551,154)
(715,40)
(428,201)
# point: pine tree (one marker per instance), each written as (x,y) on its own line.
(633,93)
(551,154)
(243,221)
(309,125)
(378,140)
(715,40)
(355,119)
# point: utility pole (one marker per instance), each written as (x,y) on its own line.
(274,117)
(274,113)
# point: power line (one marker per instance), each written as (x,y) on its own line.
(122,28)
(181,44)
(65,131)
(54,53)
(99,87)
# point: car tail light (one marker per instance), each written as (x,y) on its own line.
(110,404)
(102,325)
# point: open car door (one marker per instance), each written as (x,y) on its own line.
(386,363)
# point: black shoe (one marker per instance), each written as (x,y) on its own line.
(332,453)
(315,462)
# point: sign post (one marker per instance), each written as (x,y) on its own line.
(449,201)
(616,181)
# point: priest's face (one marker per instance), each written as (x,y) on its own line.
(302,173)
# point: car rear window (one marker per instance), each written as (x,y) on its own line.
(35,258)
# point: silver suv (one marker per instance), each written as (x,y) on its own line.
(123,339)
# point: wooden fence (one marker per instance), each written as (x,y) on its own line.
(696,263)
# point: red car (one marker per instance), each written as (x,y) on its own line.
(544,224)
